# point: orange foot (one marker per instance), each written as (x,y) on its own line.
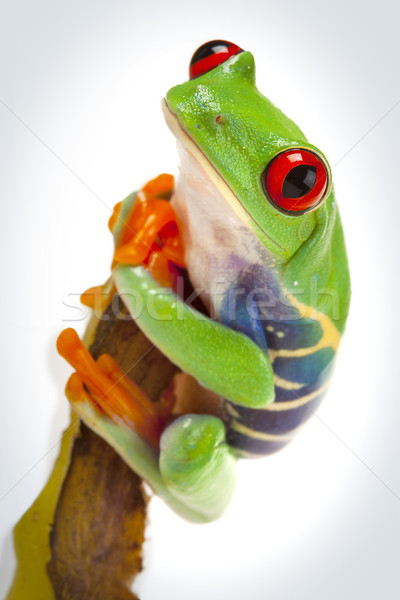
(149,236)
(110,390)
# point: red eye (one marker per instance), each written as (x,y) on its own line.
(296,180)
(210,55)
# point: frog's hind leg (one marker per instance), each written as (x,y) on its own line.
(112,392)
(197,464)
(187,462)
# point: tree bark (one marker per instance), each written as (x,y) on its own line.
(99,523)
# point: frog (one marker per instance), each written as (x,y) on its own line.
(253,221)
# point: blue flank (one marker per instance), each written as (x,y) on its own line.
(277,328)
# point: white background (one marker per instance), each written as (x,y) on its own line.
(80,127)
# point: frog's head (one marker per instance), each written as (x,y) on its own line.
(278,183)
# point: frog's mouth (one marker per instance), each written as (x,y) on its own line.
(181,134)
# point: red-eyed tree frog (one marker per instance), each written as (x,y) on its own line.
(253,220)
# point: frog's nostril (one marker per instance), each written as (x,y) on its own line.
(210,55)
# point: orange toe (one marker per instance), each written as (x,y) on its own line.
(110,389)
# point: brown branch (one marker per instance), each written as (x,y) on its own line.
(100,519)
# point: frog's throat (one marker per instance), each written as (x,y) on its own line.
(216,178)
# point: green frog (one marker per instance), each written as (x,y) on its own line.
(253,222)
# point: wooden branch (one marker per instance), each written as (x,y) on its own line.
(99,523)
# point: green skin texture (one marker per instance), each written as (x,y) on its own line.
(195,469)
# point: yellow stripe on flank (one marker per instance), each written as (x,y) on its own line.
(232,410)
(241,453)
(330,335)
(261,435)
(300,400)
(288,404)
(286,384)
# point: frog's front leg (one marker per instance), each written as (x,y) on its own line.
(222,360)
(187,462)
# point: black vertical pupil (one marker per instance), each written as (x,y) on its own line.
(299,181)
(209,48)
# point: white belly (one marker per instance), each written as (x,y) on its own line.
(218,244)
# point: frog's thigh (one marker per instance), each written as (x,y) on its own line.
(197,465)
(223,360)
